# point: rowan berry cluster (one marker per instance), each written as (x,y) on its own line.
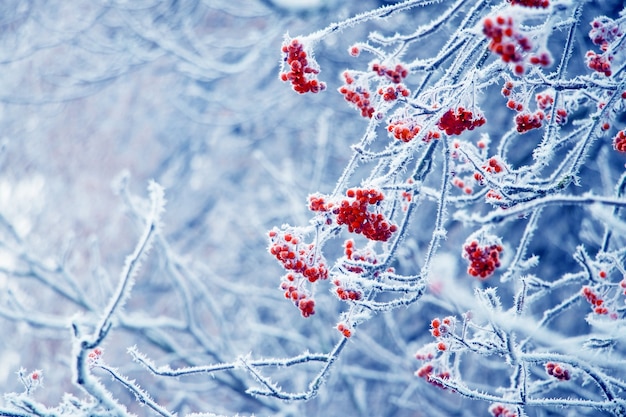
(347,294)
(301,299)
(296,256)
(512,102)
(493,166)
(493,196)
(317,202)
(391,93)
(531,3)
(507,89)
(426,353)
(396,75)
(544,100)
(557,371)
(514,105)
(300,71)
(455,122)
(528,121)
(499,410)
(306,306)
(441,328)
(561,116)
(619,141)
(604,31)
(363,255)
(354,212)
(359,96)
(483,260)
(544,59)
(94,356)
(600,62)
(596,302)
(427,371)
(430,135)
(305,264)
(458,182)
(404,129)
(344,330)
(506,41)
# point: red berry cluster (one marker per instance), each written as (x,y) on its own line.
(557,371)
(619,141)
(407,195)
(544,100)
(506,41)
(442,328)
(391,93)
(599,62)
(514,105)
(354,213)
(364,255)
(425,354)
(299,258)
(344,330)
(499,410)
(404,129)
(493,166)
(544,59)
(300,298)
(357,95)
(604,31)
(529,121)
(507,89)
(596,302)
(461,184)
(426,372)
(305,264)
(493,196)
(430,135)
(456,122)
(317,202)
(94,356)
(396,75)
(346,294)
(300,71)
(307,307)
(483,260)
(561,116)
(542,4)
